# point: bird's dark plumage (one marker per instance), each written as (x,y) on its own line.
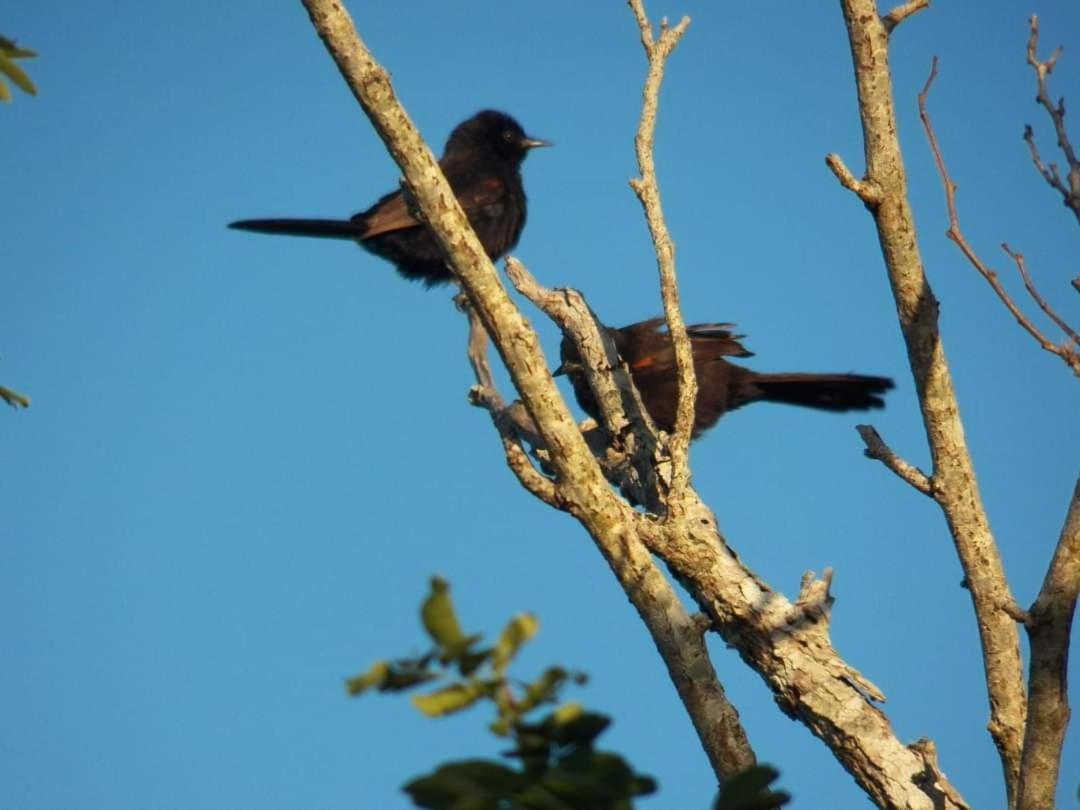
(482,161)
(722,386)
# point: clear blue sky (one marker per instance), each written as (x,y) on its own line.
(246,455)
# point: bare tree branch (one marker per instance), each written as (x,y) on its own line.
(486,395)
(955,488)
(1049,625)
(901,12)
(1018,257)
(1071,358)
(788,646)
(867,192)
(648,191)
(1070,193)
(877,449)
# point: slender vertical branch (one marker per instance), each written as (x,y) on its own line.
(648,191)
(955,487)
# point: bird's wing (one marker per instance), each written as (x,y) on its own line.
(390,213)
(718,338)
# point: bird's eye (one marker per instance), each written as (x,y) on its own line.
(508,136)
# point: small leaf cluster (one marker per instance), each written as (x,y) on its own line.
(552,763)
(9,52)
(749,790)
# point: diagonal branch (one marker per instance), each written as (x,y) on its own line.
(1018,257)
(955,487)
(878,450)
(1071,358)
(901,12)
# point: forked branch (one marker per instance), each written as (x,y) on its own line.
(1070,187)
(1067,350)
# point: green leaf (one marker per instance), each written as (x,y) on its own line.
(13,398)
(538,797)
(449,699)
(395,676)
(5,94)
(375,676)
(17,75)
(466,785)
(437,614)
(519,630)
(573,725)
(597,780)
(749,790)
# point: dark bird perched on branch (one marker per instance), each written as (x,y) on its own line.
(722,386)
(482,161)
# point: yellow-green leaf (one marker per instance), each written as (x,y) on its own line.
(17,75)
(375,676)
(437,614)
(517,631)
(13,398)
(449,699)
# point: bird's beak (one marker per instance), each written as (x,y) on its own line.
(532,143)
(567,368)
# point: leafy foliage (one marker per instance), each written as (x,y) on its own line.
(553,763)
(9,52)
(749,790)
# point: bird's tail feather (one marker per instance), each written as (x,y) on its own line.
(829,392)
(324,228)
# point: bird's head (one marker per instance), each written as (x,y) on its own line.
(495,133)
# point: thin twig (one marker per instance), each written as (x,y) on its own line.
(867,192)
(487,396)
(877,449)
(1070,193)
(956,235)
(1022,267)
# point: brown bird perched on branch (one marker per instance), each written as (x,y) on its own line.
(482,161)
(722,386)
